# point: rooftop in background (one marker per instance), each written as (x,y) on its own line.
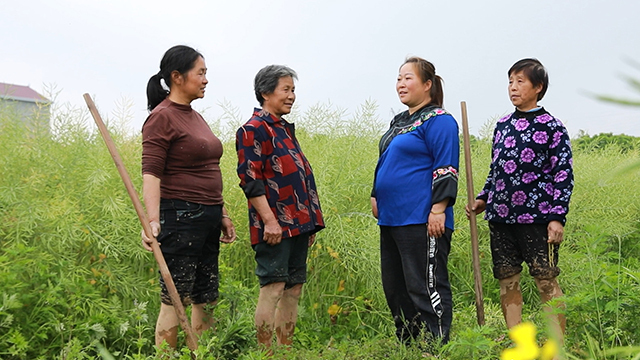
(20,93)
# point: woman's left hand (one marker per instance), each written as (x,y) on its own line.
(228,231)
(555,232)
(435,226)
(312,239)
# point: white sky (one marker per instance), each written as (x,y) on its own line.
(345,52)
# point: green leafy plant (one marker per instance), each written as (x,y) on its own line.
(75,283)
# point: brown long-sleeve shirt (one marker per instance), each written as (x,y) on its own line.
(179,148)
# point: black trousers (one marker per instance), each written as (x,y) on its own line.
(415,280)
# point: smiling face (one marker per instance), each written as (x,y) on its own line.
(280,101)
(523,95)
(411,90)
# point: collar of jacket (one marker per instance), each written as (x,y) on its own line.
(272,120)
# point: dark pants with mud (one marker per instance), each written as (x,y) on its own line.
(415,280)
(513,244)
(190,242)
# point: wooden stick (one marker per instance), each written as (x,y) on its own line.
(475,252)
(142,215)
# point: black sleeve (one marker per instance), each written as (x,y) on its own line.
(253,188)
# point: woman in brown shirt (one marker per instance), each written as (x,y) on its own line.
(182,189)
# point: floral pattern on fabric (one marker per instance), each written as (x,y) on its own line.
(531,177)
(442,173)
(445,184)
(423,118)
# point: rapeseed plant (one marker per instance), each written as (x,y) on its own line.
(64,212)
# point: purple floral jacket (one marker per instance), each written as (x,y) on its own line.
(531,176)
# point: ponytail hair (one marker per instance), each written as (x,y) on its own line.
(155,92)
(179,58)
(426,71)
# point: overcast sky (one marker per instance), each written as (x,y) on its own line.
(345,52)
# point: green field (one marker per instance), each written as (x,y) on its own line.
(76,284)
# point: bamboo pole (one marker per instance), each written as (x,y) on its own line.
(475,252)
(142,215)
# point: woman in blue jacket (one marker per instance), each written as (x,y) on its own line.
(415,186)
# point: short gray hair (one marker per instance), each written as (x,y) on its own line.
(267,79)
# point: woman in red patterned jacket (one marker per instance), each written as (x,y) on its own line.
(284,211)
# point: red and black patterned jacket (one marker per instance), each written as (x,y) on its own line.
(271,163)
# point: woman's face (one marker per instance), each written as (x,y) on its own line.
(280,101)
(411,90)
(523,95)
(195,81)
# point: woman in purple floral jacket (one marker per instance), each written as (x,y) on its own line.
(526,195)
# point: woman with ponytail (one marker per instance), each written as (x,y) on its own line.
(182,190)
(415,186)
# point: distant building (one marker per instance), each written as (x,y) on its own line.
(31,108)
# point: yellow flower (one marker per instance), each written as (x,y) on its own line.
(341,285)
(549,350)
(332,253)
(334,309)
(524,335)
(510,354)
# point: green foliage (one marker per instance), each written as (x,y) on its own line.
(625,143)
(76,284)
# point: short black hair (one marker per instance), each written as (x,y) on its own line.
(534,71)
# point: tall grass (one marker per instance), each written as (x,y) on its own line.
(75,282)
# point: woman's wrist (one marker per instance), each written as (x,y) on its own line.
(440,207)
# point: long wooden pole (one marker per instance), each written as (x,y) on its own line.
(475,252)
(142,215)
